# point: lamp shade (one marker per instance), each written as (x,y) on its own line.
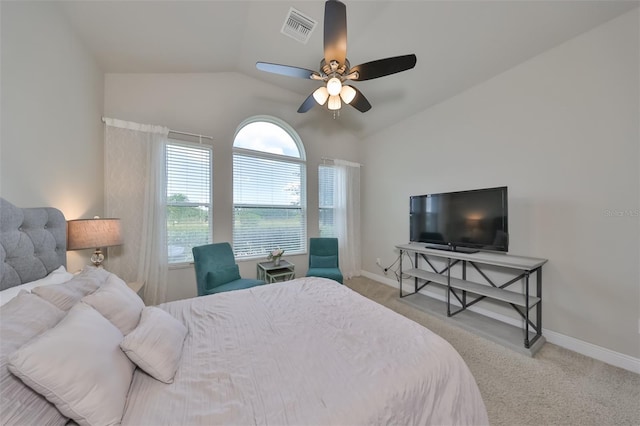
(321,95)
(333,86)
(93,233)
(334,103)
(347,94)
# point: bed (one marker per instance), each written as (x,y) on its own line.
(306,351)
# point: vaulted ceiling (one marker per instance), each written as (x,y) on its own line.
(459,44)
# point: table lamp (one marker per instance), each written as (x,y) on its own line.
(95,234)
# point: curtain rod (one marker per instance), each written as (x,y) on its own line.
(195,135)
(191,134)
(333,160)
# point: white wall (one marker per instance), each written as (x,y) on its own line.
(562,132)
(214,105)
(52,98)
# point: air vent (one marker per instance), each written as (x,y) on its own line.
(298,26)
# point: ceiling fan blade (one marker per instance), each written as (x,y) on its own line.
(335,31)
(307,104)
(382,67)
(360,102)
(287,70)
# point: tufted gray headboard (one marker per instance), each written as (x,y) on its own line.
(33,242)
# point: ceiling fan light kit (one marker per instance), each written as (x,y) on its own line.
(335,68)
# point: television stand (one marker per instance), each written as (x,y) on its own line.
(459,287)
(457,249)
(466,250)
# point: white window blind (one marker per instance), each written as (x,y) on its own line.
(269,200)
(189,194)
(325,201)
(268,206)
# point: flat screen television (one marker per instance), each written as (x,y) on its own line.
(462,221)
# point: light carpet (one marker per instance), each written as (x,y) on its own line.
(556,387)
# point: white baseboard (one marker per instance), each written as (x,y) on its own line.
(585,348)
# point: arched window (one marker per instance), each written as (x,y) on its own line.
(269,181)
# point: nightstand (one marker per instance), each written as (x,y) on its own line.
(136,286)
(271,273)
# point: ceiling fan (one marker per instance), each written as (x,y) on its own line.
(335,69)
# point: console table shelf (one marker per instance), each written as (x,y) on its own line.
(480,289)
(521,267)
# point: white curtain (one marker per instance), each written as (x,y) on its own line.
(135,192)
(346,203)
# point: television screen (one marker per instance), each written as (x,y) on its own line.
(475,219)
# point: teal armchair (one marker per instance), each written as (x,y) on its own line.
(217,271)
(323,259)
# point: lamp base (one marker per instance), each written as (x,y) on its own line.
(97,258)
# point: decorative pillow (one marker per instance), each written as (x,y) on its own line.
(78,365)
(57,276)
(117,303)
(156,344)
(67,294)
(22,319)
(222,276)
(324,261)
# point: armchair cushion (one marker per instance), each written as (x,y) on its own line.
(222,275)
(324,261)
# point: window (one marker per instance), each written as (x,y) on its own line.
(189,223)
(269,180)
(326,175)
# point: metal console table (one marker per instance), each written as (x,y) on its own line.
(522,267)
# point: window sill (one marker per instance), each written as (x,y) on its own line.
(181,265)
(264,258)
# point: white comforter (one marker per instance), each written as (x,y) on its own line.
(308,351)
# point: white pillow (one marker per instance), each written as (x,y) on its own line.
(156,344)
(117,303)
(67,294)
(57,276)
(79,367)
(21,319)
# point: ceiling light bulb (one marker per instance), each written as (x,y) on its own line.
(321,95)
(333,86)
(347,94)
(334,103)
